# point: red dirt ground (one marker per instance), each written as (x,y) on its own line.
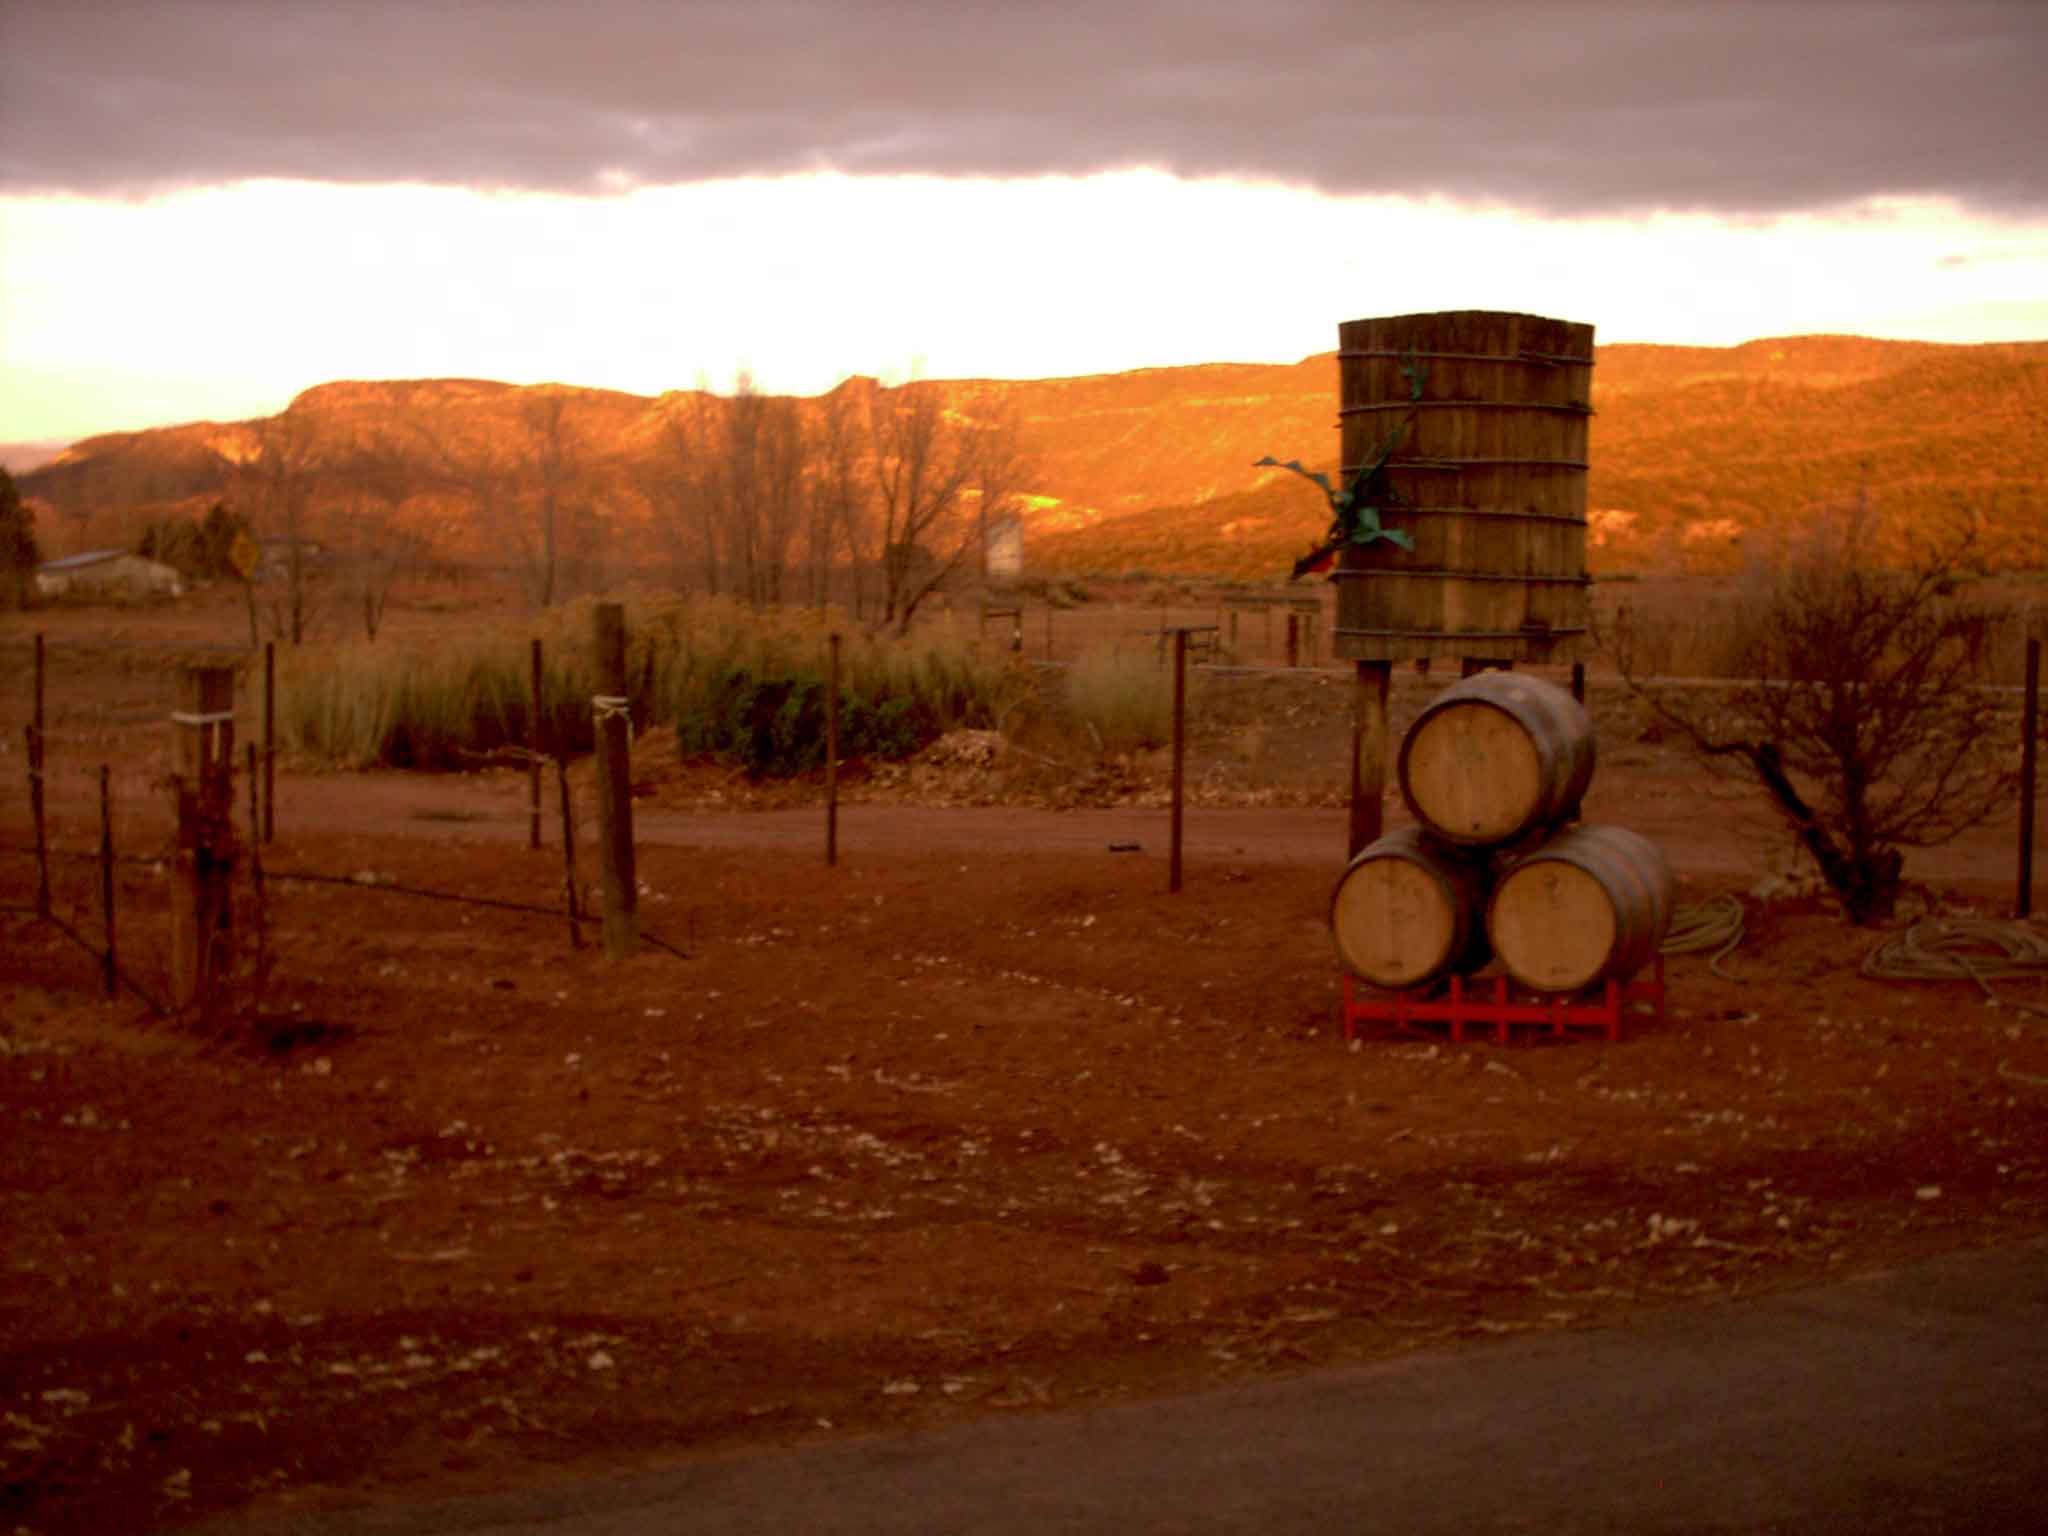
(981,1121)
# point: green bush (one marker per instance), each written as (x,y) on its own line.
(751,687)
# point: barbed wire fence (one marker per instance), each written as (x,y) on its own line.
(76,890)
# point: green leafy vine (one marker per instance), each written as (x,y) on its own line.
(1355,511)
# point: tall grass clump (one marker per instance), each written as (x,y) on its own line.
(1122,699)
(750,685)
(737,682)
(431,707)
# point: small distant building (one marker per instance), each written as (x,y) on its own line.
(1005,552)
(108,573)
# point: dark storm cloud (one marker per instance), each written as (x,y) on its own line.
(1744,106)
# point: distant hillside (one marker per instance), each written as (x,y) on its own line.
(1695,450)
(18,458)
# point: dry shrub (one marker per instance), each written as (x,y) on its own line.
(1122,700)
(1858,712)
(734,680)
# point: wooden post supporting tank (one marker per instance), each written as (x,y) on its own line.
(1369,755)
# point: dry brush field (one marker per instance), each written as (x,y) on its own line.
(981,1121)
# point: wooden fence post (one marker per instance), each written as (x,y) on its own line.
(569,853)
(269,742)
(1293,640)
(1180,755)
(832,753)
(612,710)
(256,841)
(203,781)
(535,744)
(1369,754)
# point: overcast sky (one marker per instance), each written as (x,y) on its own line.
(205,205)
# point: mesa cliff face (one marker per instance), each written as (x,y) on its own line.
(1697,452)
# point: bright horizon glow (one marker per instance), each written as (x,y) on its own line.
(224,302)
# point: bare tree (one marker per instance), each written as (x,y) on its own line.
(727,484)
(1000,470)
(778,447)
(536,490)
(551,456)
(673,479)
(733,480)
(380,477)
(1858,717)
(838,495)
(930,465)
(276,484)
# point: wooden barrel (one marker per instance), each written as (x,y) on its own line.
(1496,757)
(1591,904)
(1482,419)
(1408,909)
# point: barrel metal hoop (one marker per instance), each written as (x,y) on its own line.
(1572,408)
(1356,574)
(1510,514)
(1548,359)
(1456,464)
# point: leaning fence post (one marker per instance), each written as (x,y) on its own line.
(202,780)
(269,743)
(569,853)
(256,869)
(612,710)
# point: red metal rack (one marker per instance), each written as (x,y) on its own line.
(1468,1010)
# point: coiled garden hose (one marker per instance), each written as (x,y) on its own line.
(1716,924)
(1982,950)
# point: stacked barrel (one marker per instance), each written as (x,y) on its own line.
(1497,866)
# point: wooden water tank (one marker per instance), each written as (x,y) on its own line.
(1408,909)
(1591,904)
(1496,757)
(1487,416)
